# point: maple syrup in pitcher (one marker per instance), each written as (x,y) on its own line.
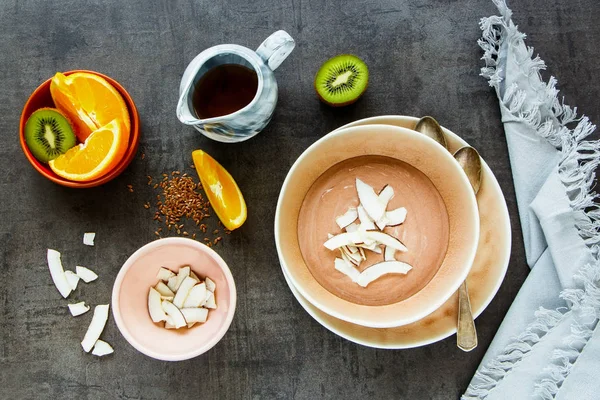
(224,90)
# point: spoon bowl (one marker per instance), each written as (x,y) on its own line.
(470,161)
(431,128)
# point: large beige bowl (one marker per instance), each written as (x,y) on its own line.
(422,153)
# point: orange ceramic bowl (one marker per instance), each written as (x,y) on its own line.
(41,98)
(130,299)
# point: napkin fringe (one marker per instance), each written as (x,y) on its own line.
(551,118)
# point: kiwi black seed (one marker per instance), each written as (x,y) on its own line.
(341,80)
(48,134)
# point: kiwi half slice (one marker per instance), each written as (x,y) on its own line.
(341,80)
(48,134)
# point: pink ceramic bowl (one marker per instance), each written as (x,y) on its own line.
(130,299)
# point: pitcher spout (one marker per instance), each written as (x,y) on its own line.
(184,112)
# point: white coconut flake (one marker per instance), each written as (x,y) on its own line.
(346,219)
(361,251)
(382,223)
(193,275)
(353,249)
(183,291)
(347,269)
(386,195)
(385,239)
(172,284)
(86,274)
(78,308)
(183,273)
(366,223)
(72,278)
(350,258)
(57,273)
(352,227)
(389,254)
(196,297)
(210,300)
(164,290)
(355,257)
(169,323)
(164,274)
(396,217)
(157,314)
(344,239)
(193,315)
(101,348)
(369,200)
(88,238)
(172,311)
(376,271)
(210,285)
(96,327)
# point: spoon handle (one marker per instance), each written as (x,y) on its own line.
(466,335)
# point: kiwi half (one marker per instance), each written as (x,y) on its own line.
(341,80)
(48,134)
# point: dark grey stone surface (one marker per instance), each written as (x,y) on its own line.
(423,59)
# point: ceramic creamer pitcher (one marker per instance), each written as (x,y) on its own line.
(248,121)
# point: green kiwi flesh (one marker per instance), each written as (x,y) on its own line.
(48,134)
(341,80)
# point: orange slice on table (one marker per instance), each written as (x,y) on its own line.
(100,153)
(223,193)
(89,101)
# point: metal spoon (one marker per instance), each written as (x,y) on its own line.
(469,160)
(466,334)
(430,127)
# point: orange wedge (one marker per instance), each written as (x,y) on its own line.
(223,193)
(100,153)
(89,101)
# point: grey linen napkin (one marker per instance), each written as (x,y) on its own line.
(548,345)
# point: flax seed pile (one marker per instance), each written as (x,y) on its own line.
(181,206)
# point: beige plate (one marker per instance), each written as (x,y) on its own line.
(484,279)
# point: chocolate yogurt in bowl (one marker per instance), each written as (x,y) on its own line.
(439,233)
(424,232)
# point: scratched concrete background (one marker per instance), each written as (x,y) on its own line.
(423,59)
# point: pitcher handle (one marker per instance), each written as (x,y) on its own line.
(276,48)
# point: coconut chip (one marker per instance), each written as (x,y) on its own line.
(172,311)
(193,315)
(210,285)
(72,278)
(386,195)
(101,348)
(183,291)
(155,306)
(196,297)
(78,308)
(346,219)
(369,200)
(86,274)
(347,269)
(366,223)
(389,254)
(88,238)
(164,290)
(376,271)
(57,273)
(164,274)
(396,217)
(96,327)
